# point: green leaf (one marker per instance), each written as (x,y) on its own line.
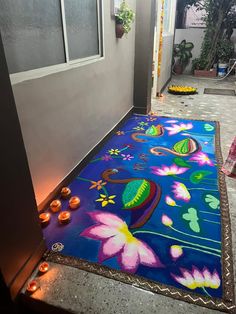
(212,201)
(189,46)
(197,176)
(182,163)
(208,127)
(192,217)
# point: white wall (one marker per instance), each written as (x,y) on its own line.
(64,115)
(166,62)
(194,35)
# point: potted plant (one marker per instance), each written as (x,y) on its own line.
(124,19)
(182,54)
(224,52)
(199,68)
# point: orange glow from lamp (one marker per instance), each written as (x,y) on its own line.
(64,217)
(65,192)
(44,218)
(32,286)
(74,202)
(43,267)
(55,206)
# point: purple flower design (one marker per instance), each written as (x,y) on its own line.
(127,157)
(106,158)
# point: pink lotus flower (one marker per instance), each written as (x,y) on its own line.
(167,221)
(175,128)
(198,279)
(202,159)
(181,192)
(172,121)
(168,171)
(127,157)
(176,251)
(118,241)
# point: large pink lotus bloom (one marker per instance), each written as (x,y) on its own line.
(181,192)
(118,241)
(198,279)
(202,159)
(177,128)
(168,171)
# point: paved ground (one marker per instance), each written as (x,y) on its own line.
(83,292)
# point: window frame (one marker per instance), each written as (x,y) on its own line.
(68,64)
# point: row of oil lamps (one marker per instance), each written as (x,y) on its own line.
(55,206)
(33,285)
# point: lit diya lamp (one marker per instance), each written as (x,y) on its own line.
(32,286)
(43,267)
(64,217)
(65,193)
(55,206)
(44,219)
(74,202)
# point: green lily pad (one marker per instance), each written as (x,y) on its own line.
(181,162)
(212,201)
(192,217)
(208,127)
(197,176)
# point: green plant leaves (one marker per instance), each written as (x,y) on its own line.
(197,176)
(212,201)
(208,127)
(192,217)
(181,162)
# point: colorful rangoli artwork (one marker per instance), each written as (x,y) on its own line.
(150,206)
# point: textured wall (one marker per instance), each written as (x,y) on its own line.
(64,115)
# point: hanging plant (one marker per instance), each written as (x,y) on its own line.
(124,19)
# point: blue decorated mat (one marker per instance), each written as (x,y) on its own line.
(154,212)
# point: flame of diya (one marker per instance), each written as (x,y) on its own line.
(32,286)
(74,202)
(65,192)
(43,267)
(55,206)
(44,218)
(64,217)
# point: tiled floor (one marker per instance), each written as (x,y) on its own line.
(83,292)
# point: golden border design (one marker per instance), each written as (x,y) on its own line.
(226,304)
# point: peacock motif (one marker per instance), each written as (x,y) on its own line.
(140,196)
(183,148)
(152,132)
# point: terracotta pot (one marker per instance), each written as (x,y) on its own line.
(119,30)
(178,69)
(205,73)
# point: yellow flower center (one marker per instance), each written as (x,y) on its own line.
(129,237)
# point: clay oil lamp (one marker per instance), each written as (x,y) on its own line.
(64,217)
(65,193)
(74,202)
(32,286)
(43,267)
(55,206)
(44,219)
